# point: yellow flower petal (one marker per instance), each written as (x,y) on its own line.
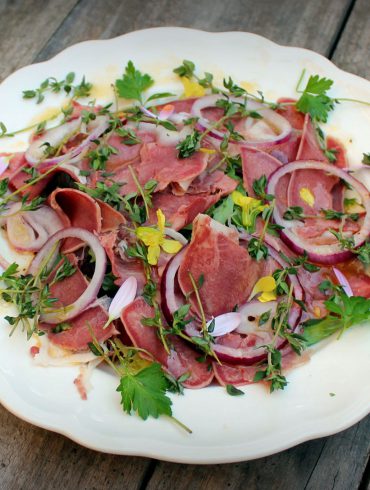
(161,220)
(307,196)
(192,89)
(171,246)
(266,284)
(266,297)
(210,151)
(153,254)
(150,236)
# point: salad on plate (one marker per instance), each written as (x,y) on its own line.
(211,236)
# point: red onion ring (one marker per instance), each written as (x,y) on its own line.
(39,225)
(89,295)
(170,301)
(56,136)
(321,254)
(273,119)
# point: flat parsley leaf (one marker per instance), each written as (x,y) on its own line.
(133,83)
(145,392)
(344,312)
(314,99)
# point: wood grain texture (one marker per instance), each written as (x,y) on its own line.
(25,26)
(352,51)
(32,458)
(312,24)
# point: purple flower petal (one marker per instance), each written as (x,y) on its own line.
(123,297)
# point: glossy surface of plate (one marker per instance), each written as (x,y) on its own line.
(324,396)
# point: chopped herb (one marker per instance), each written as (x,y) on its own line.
(366,158)
(189,145)
(233,391)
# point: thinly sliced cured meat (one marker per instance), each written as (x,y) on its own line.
(255,164)
(77,335)
(309,148)
(203,193)
(77,209)
(122,269)
(182,358)
(127,153)
(228,271)
(162,164)
(357,277)
(227,374)
(111,219)
(290,113)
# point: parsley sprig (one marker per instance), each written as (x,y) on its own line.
(344,312)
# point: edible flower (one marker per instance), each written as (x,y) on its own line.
(223,324)
(166,112)
(267,286)
(251,208)
(307,196)
(192,89)
(123,297)
(154,239)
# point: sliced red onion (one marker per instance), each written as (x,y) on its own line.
(321,254)
(343,281)
(226,323)
(176,235)
(56,136)
(30,230)
(90,294)
(123,297)
(250,314)
(170,300)
(256,128)
(4,162)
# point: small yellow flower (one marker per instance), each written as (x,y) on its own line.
(192,89)
(154,239)
(209,151)
(267,286)
(307,196)
(250,208)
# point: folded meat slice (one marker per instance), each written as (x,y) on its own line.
(203,193)
(182,358)
(162,164)
(77,335)
(127,153)
(228,272)
(290,113)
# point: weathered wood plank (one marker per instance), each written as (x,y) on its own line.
(33,458)
(313,24)
(335,462)
(25,27)
(352,51)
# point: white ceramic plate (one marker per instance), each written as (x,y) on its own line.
(225,428)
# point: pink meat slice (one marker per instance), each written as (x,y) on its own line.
(122,269)
(127,153)
(318,183)
(229,272)
(182,358)
(256,163)
(203,193)
(162,164)
(75,208)
(78,336)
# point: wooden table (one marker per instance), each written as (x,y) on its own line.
(35,30)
